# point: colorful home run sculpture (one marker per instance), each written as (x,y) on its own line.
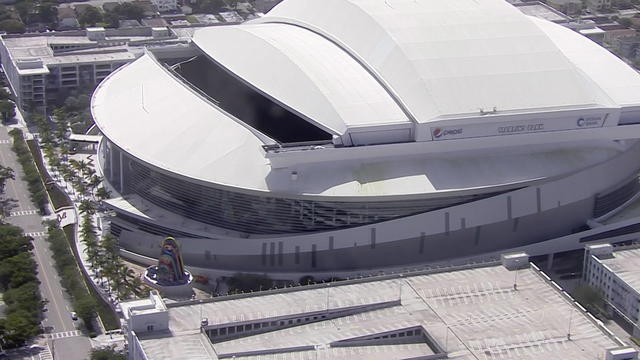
(170,268)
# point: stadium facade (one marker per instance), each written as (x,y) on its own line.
(339,135)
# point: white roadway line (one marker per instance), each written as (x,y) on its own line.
(46,280)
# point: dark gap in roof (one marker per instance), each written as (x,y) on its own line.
(247,104)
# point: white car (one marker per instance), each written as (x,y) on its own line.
(74,316)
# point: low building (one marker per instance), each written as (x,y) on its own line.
(612,34)
(628,46)
(206,19)
(124,24)
(231,17)
(569,7)
(616,273)
(40,66)
(490,311)
(542,11)
(155,22)
(598,4)
(165,5)
(67,18)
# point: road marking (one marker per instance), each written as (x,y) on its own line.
(36,234)
(64,334)
(23,213)
(46,281)
(46,354)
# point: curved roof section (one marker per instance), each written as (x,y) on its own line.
(151,115)
(448,58)
(619,81)
(305,72)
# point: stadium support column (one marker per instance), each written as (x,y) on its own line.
(549,261)
(121,174)
(110,162)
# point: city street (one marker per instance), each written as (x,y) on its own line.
(63,339)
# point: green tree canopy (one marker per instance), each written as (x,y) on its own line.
(90,16)
(8,111)
(12,26)
(106,353)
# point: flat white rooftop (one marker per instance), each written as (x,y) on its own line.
(474,313)
(626,265)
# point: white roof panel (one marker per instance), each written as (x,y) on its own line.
(142,108)
(614,76)
(305,72)
(446,58)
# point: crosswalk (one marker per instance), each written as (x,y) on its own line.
(36,234)
(64,334)
(23,213)
(5,141)
(45,354)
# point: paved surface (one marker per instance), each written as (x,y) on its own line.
(476,313)
(57,318)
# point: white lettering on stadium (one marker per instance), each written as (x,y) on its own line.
(514,129)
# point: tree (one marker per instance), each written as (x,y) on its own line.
(102,193)
(247,282)
(106,353)
(47,12)
(90,16)
(626,22)
(85,307)
(129,11)
(8,111)
(590,298)
(87,207)
(4,94)
(6,173)
(12,26)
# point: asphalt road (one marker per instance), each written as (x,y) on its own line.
(63,338)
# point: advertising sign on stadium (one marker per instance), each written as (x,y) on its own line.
(515,127)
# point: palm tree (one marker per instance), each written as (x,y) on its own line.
(87,207)
(64,151)
(102,193)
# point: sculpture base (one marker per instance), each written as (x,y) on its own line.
(173,291)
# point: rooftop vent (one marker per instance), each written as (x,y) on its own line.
(515,261)
(601,250)
(96,33)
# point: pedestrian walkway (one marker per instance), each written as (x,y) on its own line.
(5,141)
(35,234)
(23,213)
(64,334)
(45,354)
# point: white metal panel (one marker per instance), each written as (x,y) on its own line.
(450,57)
(304,71)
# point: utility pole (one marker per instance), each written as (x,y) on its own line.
(569,330)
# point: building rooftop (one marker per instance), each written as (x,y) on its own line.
(626,265)
(471,313)
(42,48)
(542,11)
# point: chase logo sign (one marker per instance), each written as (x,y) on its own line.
(438,133)
(589,122)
